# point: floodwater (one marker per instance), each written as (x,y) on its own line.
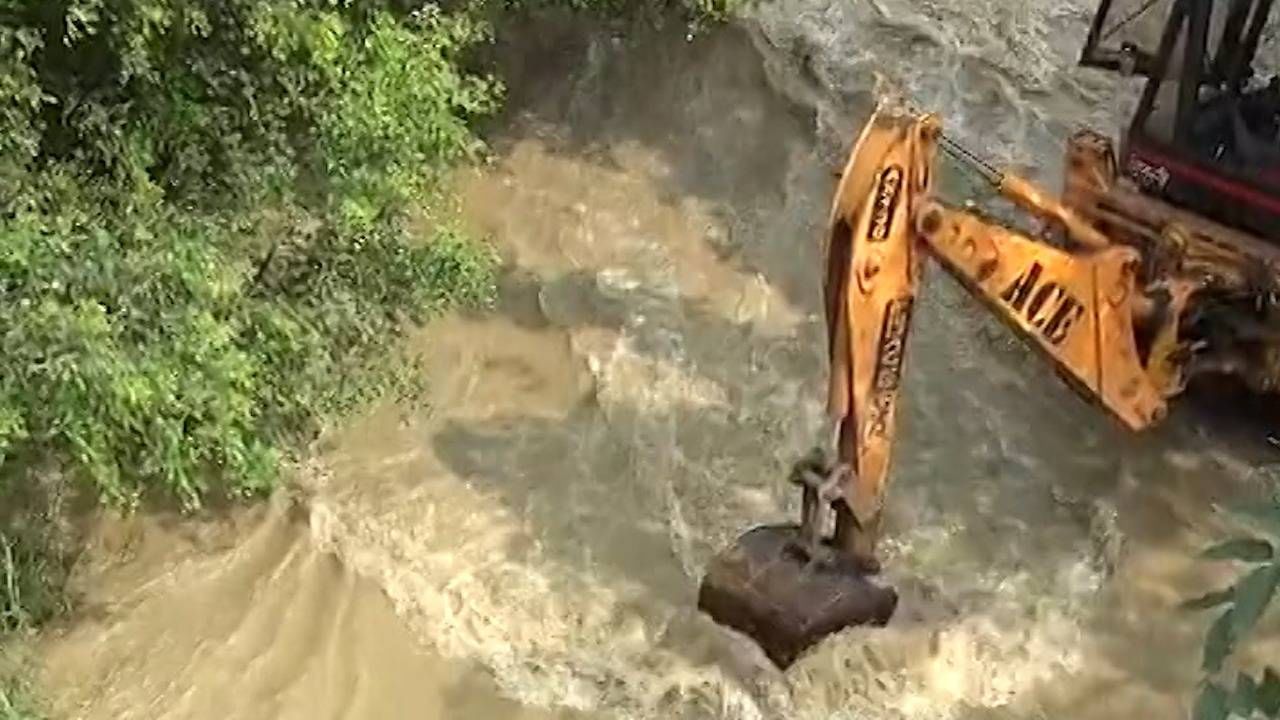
(531,546)
(246,617)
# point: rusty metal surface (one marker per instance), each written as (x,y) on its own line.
(1224,280)
(766,587)
(1220,256)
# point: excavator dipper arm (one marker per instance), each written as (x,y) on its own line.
(1077,301)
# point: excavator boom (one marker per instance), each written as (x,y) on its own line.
(1074,306)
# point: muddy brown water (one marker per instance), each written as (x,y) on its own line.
(531,546)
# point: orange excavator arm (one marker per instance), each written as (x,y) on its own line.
(1079,303)
(1108,328)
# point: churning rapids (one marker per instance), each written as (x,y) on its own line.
(532,546)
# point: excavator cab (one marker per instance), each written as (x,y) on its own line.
(1205,134)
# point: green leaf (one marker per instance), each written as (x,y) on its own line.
(1246,549)
(1208,600)
(1244,699)
(1252,594)
(1218,642)
(1268,696)
(1212,703)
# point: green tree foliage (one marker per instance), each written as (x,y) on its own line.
(205,246)
(30,580)
(16,702)
(1239,609)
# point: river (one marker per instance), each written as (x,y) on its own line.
(530,547)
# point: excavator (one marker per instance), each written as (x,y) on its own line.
(1157,265)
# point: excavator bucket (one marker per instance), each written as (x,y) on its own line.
(789,586)
(766,587)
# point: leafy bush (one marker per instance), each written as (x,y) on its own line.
(173,358)
(1243,604)
(205,246)
(16,702)
(717,10)
(31,577)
